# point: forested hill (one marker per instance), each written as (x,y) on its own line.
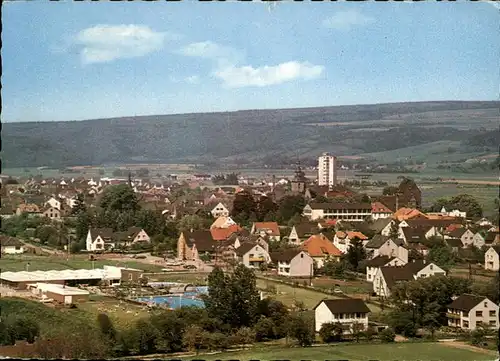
(249,135)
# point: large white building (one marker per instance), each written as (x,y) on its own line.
(327,170)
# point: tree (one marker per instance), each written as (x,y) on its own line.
(152,222)
(387,335)
(170,328)
(106,327)
(190,222)
(243,206)
(301,329)
(218,298)
(266,207)
(290,206)
(146,337)
(331,332)
(264,329)
(119,198)
(244,297)
(194,338)
(390,191)
(462,202)
(442,256)
(355,254)
(20,328)
(79,206)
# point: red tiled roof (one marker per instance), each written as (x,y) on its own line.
(319,245)
(221,234)
(272,226)
(378,207)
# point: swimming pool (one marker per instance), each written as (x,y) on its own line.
(177,301)
(174,301)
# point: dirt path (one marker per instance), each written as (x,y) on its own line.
(465,346)
(471,181)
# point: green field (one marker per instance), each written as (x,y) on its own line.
(16,263)
(353,352)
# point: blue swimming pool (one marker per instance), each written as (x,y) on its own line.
(177,301)
(173,301)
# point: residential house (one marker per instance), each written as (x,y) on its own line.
(385,246)
(465,235)
(455,244)
(99,239)
(355,212)
(51,212)
(342,240)
(223,222)
(28,208)
(11,245)
(387,277)
(53,202)
(131,236)
(491,258)
(470,311)
(301,232)
(321,249)
(346,311)
(191,245)
(220,210)
(221,234)
(382,226)
(270,229)
(491,238)
(380,211)
(252,255)
(293,263)
(479,239)
(403,214)
(374,264)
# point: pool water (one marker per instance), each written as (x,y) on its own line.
(175,301)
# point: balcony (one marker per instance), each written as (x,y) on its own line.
(454,316)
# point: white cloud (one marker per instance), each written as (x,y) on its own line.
(346,20)
(210,50)
(104,43)
(246,76)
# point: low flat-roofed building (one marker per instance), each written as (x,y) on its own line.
(112,275)
(59,293)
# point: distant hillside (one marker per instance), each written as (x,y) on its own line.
(250,135)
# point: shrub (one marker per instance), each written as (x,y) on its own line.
(387,335)
(244,336)
(217,341)
(331,332)
(264,329)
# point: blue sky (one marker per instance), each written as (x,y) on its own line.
(72,61)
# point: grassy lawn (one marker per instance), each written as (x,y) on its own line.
(122,314)
(188,277)
(45,263)
(353,352)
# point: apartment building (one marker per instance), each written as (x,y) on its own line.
(327,170)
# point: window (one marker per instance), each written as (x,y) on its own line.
(479,313)
(431,267)
(302,255)
(130,277)
(493,323)
(466,324)
(493,313)
(341,316)
(485,304)
(479,323)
